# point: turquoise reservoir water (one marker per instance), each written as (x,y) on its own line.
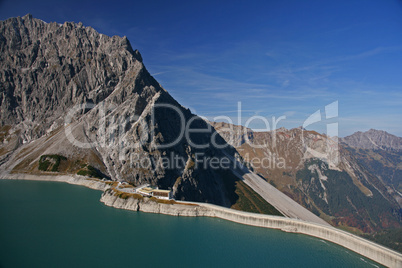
(50,224)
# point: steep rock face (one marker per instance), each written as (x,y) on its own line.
(68,90)
(373,139)
(47,68)
(323,176)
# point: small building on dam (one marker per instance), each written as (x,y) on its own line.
(149,191)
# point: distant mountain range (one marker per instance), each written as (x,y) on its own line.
(373,140)
(74,101)
(362,193)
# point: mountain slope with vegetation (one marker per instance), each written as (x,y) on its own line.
(358,193)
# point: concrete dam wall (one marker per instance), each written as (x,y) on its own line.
(352,242)
(359,245)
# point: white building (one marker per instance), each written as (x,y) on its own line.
(146,190)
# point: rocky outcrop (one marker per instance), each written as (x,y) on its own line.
(46,68)
(147,205)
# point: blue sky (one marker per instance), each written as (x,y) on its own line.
(278,58)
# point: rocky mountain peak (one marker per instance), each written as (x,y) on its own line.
(373,139)
(47,67)
(119,115)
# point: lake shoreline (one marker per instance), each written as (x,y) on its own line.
(70,179)
(357,244)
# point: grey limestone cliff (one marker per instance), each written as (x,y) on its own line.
(67,90)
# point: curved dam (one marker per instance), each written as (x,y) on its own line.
(352,242)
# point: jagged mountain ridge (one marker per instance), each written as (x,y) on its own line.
(47,69)
(373,139)
(300,164)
